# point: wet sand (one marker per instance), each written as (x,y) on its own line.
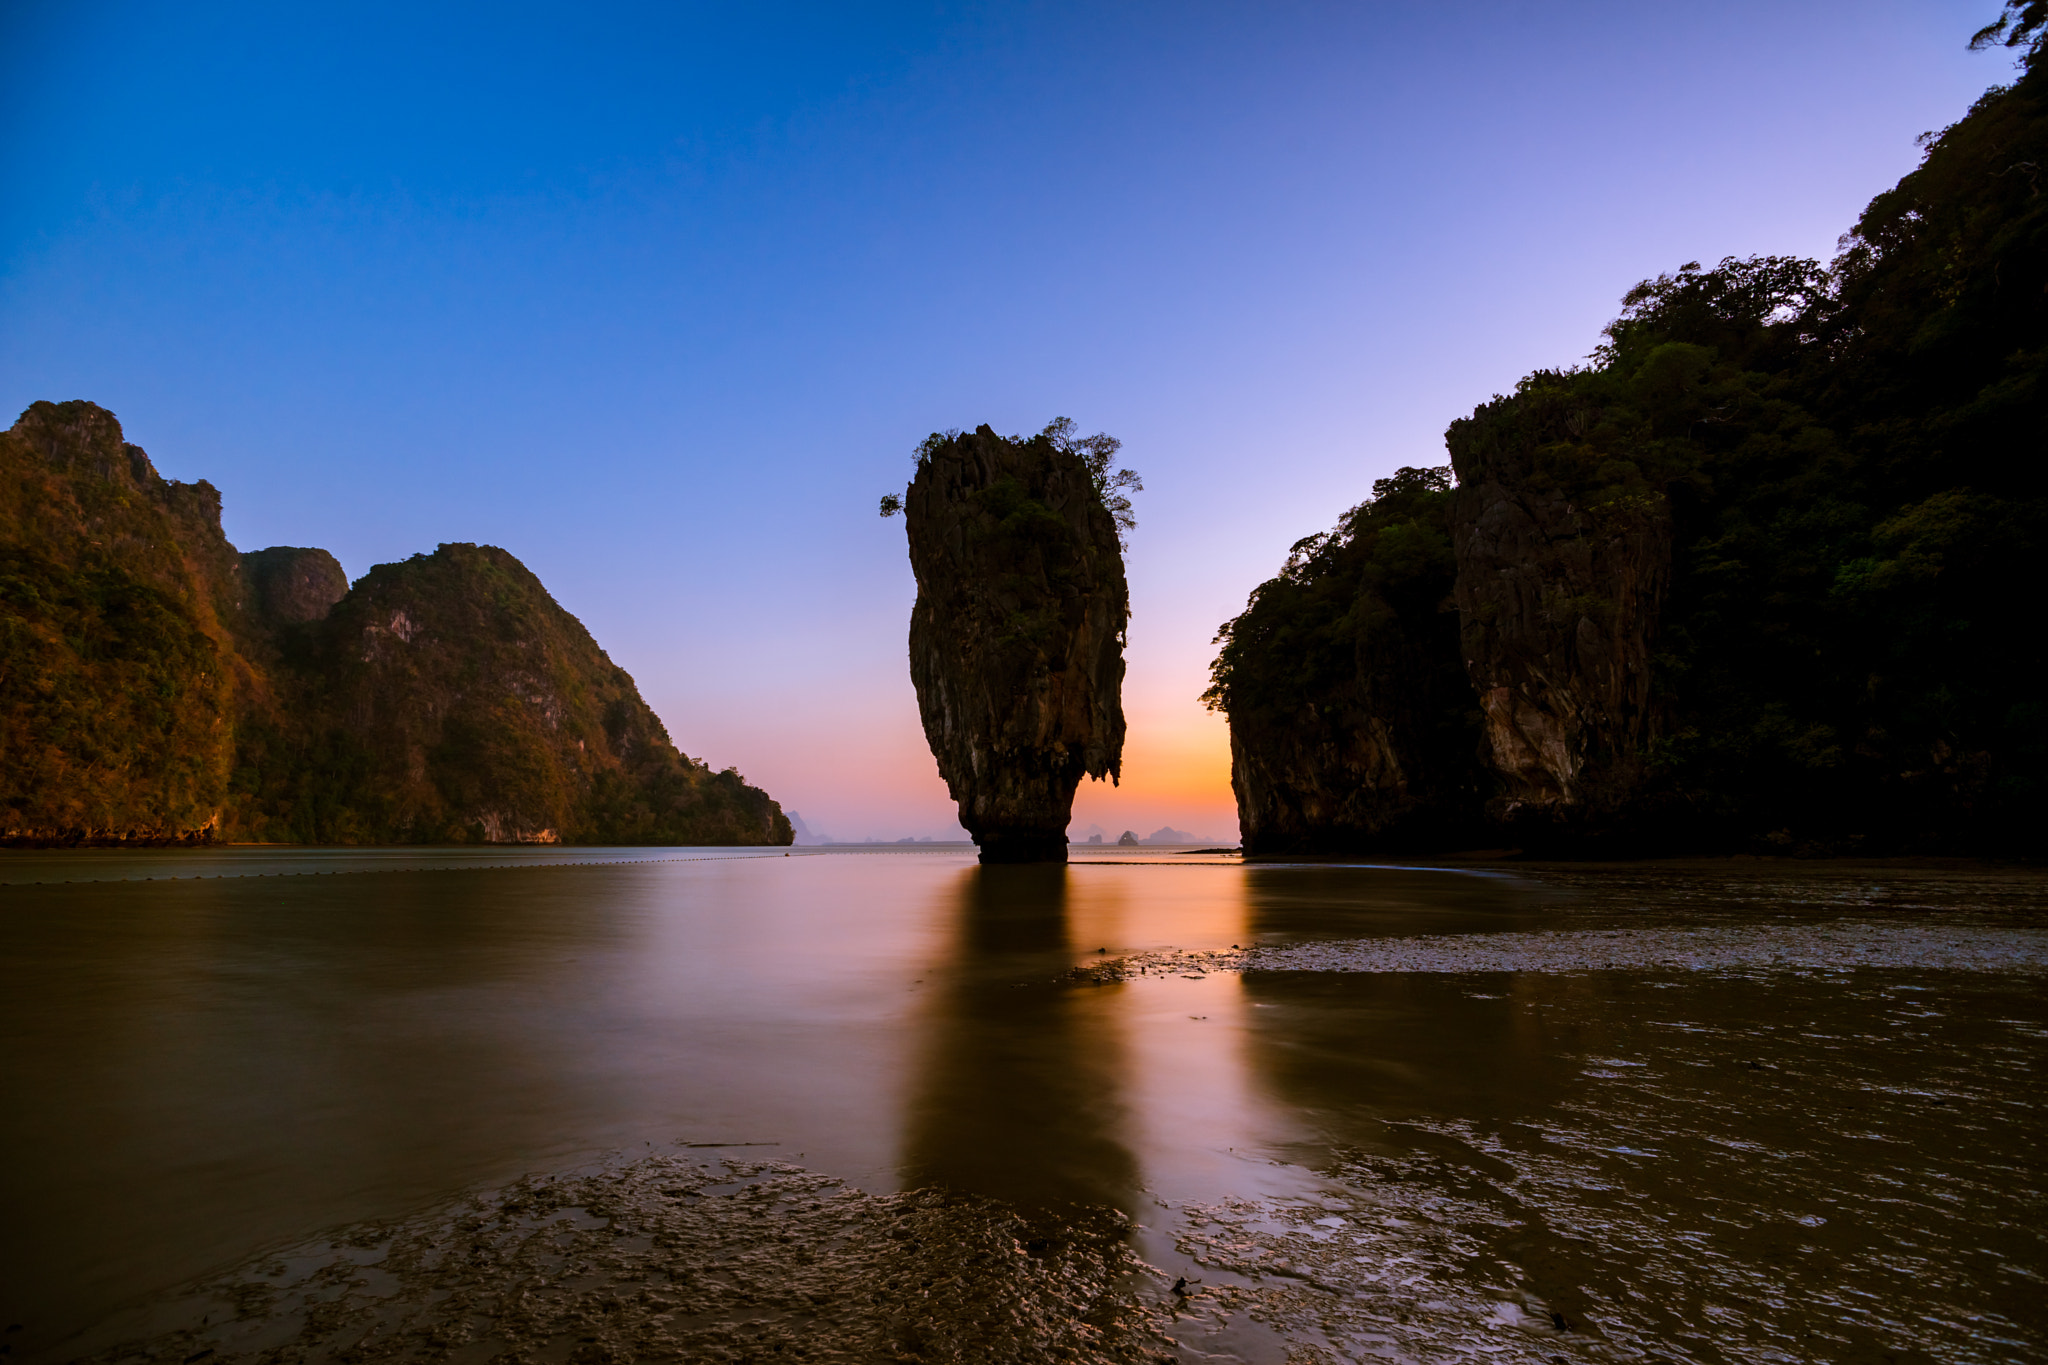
(670,1257)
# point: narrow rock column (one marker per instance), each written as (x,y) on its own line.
(1016,641)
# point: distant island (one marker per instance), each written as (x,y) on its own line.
(802,833)
(1765,575)
(157,687)
(1165,834)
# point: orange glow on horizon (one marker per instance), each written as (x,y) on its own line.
(857,770)
(1176,771)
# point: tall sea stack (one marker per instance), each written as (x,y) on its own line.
(1016,641)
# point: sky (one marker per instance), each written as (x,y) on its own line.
(661,297)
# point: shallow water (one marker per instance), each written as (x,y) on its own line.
(1711,1112)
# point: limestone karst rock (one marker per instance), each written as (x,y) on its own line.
(156,687)
(1016,641)
(118,662)
(1761,576)
(290,586)
(1351,719)
(1560,597)
(455,701)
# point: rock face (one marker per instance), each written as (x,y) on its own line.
(451,699)
(288,586)
(1016,641)
(119,659)
(157,687)
(1560,600)
(1351,722)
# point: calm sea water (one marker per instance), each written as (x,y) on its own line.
(1718,1111)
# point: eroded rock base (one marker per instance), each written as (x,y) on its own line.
(1016,847)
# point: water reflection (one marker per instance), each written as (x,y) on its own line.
(1020,1092)
(207,1067)
(204,1068)
(218,1065)
(1356,1055)
(1293,904)
(1361,1057)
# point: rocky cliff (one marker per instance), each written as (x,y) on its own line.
(155,686)
(1758,577)
(119,661)
(1016,640)
(1560,587)
(289,586)
(1352,729)
(449,699)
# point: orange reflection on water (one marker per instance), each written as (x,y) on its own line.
(1041,1087)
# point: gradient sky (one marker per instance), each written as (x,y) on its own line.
(660,297)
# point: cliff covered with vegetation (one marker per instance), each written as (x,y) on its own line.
(1350,719)
(1758,576)
(156,686)
(118,657)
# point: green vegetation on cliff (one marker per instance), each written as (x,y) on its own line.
(1351,723)
(117,674)
(156,686)
(449,699)
(1759,575)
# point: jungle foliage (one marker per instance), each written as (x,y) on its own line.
(112,700)
(1385,571)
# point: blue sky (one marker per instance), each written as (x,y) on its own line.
(659,298)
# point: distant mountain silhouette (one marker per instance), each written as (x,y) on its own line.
(804,833)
